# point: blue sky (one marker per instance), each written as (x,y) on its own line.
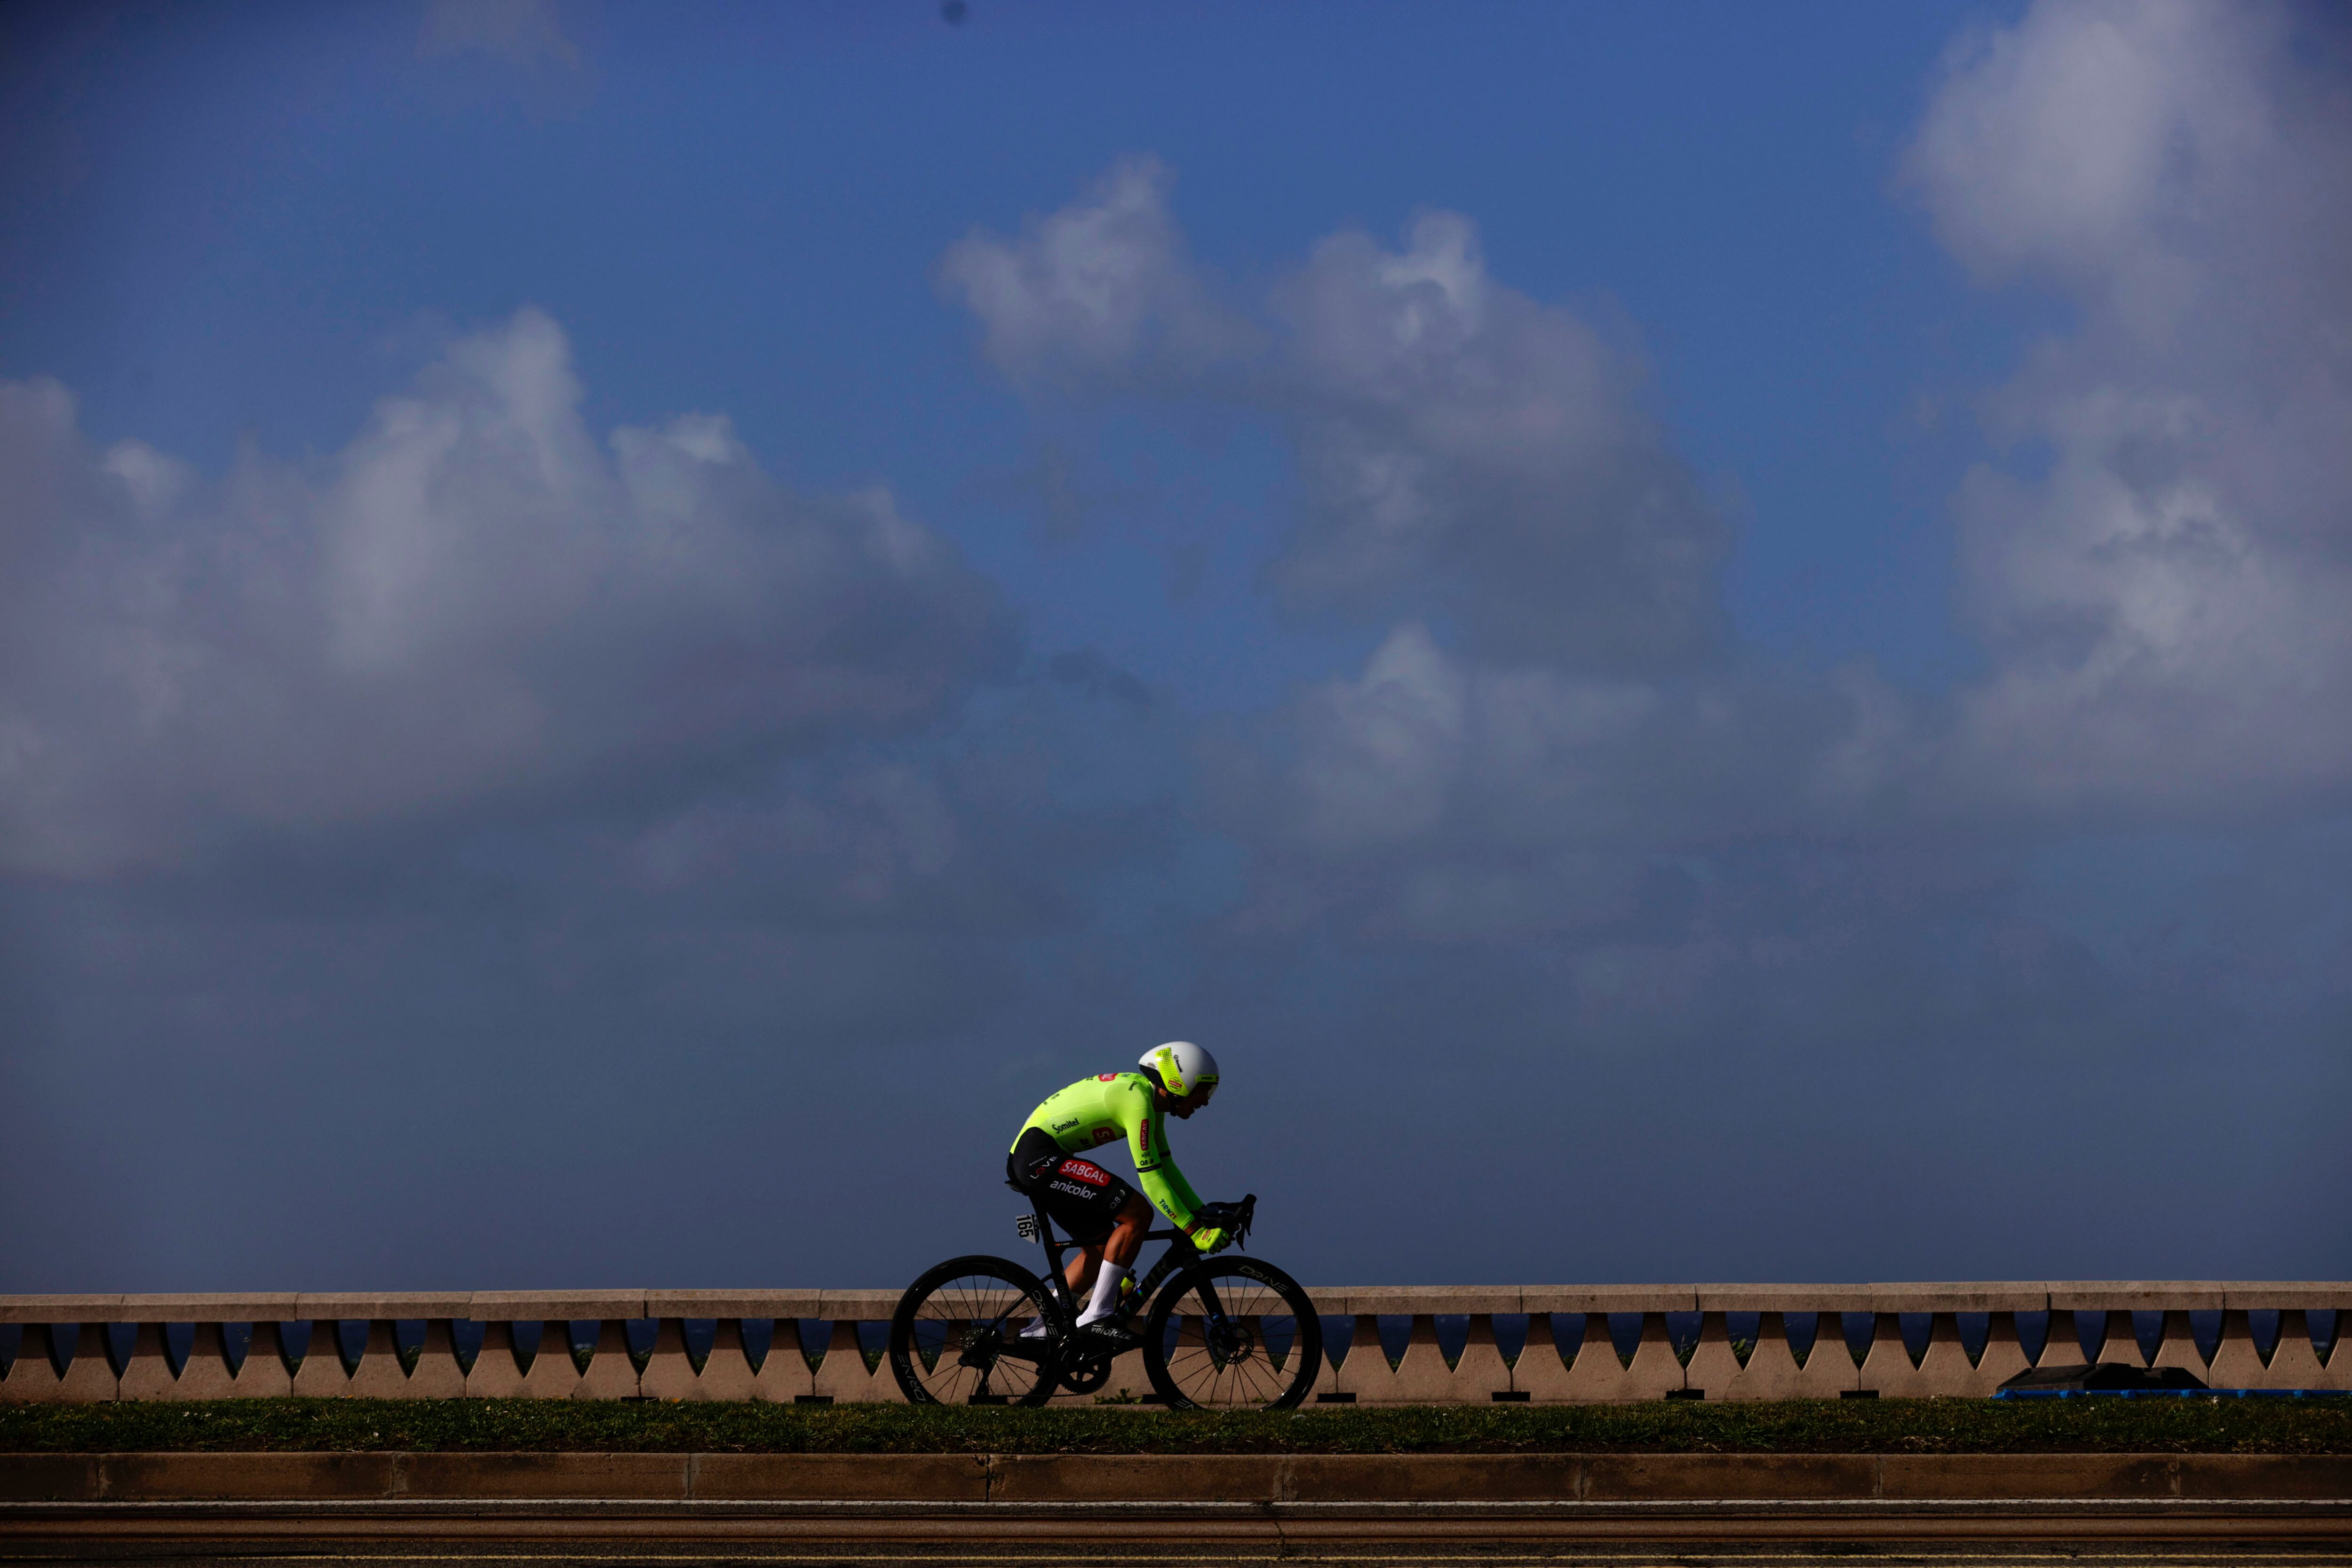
(1662,623)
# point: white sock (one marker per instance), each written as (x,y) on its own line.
(1106,1295)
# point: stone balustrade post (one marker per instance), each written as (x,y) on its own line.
(2294,1362)
(610,1374)
(1944,1370)
(2115,1301)
(843,1375)
(1714,1366)
(1829,1371)
(786,1377)
(2061,1339)
(2337,1373)
(1481,1364)
(2176,1345)
(321,1373)
(1541,1373)
(2120,1342)
(1886,1370)
(2237,1361)
(1423,1375)
(554,1370)
(379,1373)
(1363,1376)
(2004,1352)
(265,1374)
(496,1372)
(439,1374)
(1597,1376)
(146,1372)
(33,1376)
(1655,1370)
(553,1374)
(670,1370)
(2112,1301)
(42,1373)
(206,1373)
(726,1373)
(1771,1371)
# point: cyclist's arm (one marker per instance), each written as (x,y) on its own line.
(1162,1182)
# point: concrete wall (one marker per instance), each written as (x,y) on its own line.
(1802,1346)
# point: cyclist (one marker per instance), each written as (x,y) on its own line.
(1103,1214)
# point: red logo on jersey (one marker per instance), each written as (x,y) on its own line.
(1093,1175)
(1105,1134)
(1106,1078)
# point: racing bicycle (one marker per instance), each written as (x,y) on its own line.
(1225,1332)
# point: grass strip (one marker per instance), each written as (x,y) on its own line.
(1846,1427)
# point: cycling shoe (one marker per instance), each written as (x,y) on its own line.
(1110,1335)
(1038,1329)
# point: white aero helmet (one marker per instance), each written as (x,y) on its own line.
(1181,1066)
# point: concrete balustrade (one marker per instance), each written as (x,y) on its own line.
(1800,1346)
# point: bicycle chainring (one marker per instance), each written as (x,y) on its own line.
(1087,1376)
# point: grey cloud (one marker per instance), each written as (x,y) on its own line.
(1445,796)
(526,33)
(2167,601)
(473,603)
(1090,672)
(1464,451)
(1469,450)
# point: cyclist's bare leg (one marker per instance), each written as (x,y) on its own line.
(1080,1274)
(1119,1249)
(1125,1241)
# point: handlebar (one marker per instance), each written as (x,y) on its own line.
(1233,1217)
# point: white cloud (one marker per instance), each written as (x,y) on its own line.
(1102,289)
(2168,598)
(472,599)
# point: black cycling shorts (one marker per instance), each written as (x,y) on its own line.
(1077,1194)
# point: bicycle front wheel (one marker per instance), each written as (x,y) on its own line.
(957,1339)
(1232,1334)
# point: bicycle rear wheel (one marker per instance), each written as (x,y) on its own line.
(1232,1334)
(956,1336)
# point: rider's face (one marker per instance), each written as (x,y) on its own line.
(1182,1109)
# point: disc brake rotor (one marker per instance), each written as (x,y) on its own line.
(1229,1342)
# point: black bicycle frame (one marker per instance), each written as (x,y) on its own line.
(1174,1258)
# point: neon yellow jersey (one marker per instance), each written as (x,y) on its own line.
(1102,1109)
